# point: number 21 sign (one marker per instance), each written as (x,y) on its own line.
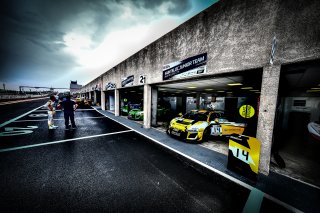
(142,79)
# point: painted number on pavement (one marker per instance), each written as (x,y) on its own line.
(12,131)
(38,115)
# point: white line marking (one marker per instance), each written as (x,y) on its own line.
(61,141)
(209,167)
(14,119)
(59,119)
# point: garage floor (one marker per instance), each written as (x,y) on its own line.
(298,167)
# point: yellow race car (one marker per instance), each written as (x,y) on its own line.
(193,126)
(198,125)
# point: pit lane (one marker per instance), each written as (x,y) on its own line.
(103,165)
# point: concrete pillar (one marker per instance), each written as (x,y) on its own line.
(116,102)
(267,110)
(147,106)
(154,106)
(198,100)
(103,100)
(184,104)
(90,95)
(95,96)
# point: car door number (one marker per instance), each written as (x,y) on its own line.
(216,130)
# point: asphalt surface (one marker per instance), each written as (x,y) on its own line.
(11,111)
(104,166)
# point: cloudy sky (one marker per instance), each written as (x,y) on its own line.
(50,42)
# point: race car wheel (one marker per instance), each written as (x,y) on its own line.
(206,134)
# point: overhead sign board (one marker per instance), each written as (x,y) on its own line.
(97,87)
(110,86)
(128,81)
(192,66)
(244,155)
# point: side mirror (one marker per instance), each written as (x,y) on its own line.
(180,114)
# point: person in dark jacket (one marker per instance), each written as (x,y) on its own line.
(68,107)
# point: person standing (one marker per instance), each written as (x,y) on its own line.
(51,104)
(68,107)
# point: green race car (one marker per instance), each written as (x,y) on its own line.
(135,114)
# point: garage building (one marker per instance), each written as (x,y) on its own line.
(265,54)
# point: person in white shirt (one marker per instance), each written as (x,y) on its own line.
(51,104)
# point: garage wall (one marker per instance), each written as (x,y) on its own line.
(237,35)
(312,107)
(298,30)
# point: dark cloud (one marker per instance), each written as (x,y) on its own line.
(179,6)
(32,31)
(31,36)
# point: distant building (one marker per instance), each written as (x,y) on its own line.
(74,87)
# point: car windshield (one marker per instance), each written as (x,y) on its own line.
(215,115)
(195,116)
(135,106)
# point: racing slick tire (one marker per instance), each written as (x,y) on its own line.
(206,135)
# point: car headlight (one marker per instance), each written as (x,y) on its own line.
(193,130)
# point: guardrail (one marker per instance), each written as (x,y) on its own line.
(4,97)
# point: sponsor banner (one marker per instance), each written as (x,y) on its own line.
(128,81)
(244,155)
(110,86)
(189,67)
(246,111)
